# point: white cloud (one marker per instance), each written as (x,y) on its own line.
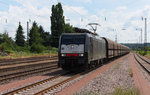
(122,8)
(85,1)
(23,13)
(79,16)
(75,10)
(124,18)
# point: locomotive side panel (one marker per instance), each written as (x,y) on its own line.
(97,49)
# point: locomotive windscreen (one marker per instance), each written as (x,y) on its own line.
(73,39)
(72,44)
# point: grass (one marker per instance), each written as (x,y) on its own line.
(16,54)
(129,91)
(130,72)
(147,54)
(117,66)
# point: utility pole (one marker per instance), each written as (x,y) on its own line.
(139,42)
(27,33)
(145,39)
(141,38)
(116,38)
(140,29)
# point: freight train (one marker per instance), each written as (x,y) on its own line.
(80,51)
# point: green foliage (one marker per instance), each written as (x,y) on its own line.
(1,38)
(57,23)
(51,50)
(142,52)
(7,42)
(34,35)
(69,28)
(129,91)
(20,38)
(45,36)
(21,49)
(35,39)
(37,48)
(6,46)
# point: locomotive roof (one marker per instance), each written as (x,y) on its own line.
(74,33)
(90,35)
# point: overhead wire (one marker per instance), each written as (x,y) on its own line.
(75,11)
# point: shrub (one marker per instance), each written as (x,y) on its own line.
(6,46)
(37,48)
(23,49)
(142,52)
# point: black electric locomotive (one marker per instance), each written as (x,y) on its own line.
(78,51)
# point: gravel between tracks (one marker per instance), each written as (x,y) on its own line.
(18,84)
(60,88)
(117,76)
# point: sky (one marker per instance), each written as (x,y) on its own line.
(123,17)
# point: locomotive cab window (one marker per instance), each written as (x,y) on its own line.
(73,39)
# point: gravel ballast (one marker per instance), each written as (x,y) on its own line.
(118,76)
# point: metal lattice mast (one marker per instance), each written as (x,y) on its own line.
(145,39)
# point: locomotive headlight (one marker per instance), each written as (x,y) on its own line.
(81,54)
(63,54)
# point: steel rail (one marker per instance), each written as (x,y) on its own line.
(26,73)
(60,83)
(21,59)
(26,61)
(146,69)
(143,59)
(34,84)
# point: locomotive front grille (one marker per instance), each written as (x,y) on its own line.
(73,62)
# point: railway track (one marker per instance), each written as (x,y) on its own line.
(17,91)
(25,60)
(21,71)
(18,75)
(24,67)
(41,87)
(143,62)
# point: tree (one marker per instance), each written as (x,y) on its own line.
(20,38)
(1,38)
(35,40)
(7,43)
(45,36)
(57,23)
(69,28)
(34,35)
